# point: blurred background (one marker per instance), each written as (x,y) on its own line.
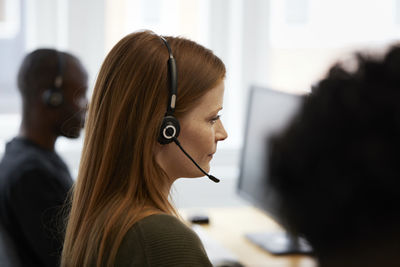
(283,45)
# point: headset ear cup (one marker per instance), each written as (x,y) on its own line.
(53,97)
(169,130)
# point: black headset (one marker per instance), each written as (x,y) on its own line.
(53,96)
(169,130)
(170,127)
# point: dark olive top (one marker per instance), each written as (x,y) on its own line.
(161,240)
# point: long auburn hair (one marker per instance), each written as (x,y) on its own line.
(118,173)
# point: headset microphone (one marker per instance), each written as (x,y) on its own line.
(212,178)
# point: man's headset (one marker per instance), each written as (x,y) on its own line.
(53,96)
(170,127)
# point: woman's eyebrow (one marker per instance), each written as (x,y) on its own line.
(216,110)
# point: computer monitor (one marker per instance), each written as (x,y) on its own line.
(268,112)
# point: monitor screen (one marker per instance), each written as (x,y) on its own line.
(267,113)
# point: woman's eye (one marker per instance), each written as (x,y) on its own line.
(215,119)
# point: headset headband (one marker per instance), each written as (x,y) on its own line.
(58,80)
(173,79)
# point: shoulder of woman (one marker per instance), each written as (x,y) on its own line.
(162,223)
(164,229)
(166,241)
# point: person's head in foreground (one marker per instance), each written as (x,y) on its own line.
(336,166)
(126,169)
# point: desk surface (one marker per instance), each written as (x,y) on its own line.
(229,225)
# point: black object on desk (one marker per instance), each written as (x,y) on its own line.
(199,219)
(228,263)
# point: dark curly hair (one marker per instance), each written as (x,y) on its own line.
(337,165)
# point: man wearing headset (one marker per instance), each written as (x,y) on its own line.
(34,180)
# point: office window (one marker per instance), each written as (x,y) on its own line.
(305,39)
(188,18)
(11,46)
(9,18)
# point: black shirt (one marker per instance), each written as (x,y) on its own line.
(34,183)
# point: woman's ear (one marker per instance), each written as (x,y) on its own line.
(159,153)
(157,149)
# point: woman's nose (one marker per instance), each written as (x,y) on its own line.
(221,132)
